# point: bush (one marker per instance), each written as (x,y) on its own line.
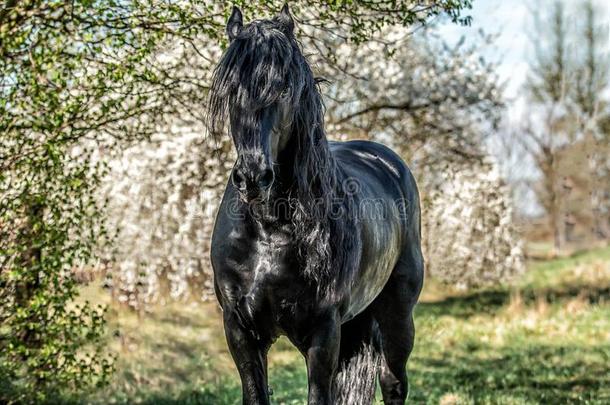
(49,222)
(469,236)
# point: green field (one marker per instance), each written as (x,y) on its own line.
(546,340)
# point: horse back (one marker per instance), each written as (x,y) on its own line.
(378,173)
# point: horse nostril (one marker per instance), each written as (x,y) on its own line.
(238,179)
(265,179)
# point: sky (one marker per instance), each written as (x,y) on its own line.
(511,20)
(508,20)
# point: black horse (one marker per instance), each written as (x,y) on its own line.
(315,240)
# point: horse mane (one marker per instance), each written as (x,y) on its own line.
(258,68)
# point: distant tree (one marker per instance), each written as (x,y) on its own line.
(548,89)
(565,88)
(592,79)
(592,70)
(79,80)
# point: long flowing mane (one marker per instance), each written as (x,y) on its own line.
(262,64)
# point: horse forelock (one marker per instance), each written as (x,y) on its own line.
(253,73)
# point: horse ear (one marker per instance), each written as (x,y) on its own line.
(285,19)
(235,23)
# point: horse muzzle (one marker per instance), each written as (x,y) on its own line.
(252,184)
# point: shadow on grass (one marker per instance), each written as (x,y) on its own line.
(515,374)
(490,301)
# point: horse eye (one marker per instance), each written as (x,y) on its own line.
(285,92)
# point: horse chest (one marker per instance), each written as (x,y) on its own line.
(262,278)
(270,263)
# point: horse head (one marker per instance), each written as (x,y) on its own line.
(263,88)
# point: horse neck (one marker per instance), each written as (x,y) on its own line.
(299,159)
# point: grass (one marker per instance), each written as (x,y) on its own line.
(545,339)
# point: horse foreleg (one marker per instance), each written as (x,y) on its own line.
(250,356)
(322,356)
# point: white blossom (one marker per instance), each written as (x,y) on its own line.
(469,236)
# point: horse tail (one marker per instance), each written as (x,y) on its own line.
(358,362)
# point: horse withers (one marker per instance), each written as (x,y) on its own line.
(315,240)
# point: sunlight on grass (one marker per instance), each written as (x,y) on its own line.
(546,339)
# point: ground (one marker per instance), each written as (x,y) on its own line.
(546,339)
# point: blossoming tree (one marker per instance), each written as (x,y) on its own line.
(431,102)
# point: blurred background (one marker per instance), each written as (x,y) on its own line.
(109,186)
